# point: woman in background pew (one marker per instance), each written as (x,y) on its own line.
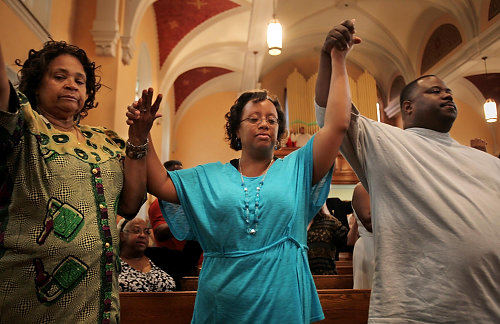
(138,273)
(250,215)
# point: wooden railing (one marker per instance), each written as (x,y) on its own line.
(321,281)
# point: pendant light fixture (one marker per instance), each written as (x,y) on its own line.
(490,106)
(274,35)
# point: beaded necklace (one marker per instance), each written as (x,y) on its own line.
(252,227)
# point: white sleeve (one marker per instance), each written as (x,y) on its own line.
(320,114)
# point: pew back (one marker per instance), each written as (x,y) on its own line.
(339,306)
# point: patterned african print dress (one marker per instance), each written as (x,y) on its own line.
(58,198)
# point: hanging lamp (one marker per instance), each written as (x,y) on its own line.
(490,106)
(274,35)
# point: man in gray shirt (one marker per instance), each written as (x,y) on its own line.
(435,206)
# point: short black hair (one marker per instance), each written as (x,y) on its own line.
(171,163)
(407,91)
(37,63)
(233,116)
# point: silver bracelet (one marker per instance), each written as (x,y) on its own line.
(138,147)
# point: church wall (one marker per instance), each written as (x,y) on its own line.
(103,115)
(16,38)
(127,74)
(199,137)
(469,124)
(61,22)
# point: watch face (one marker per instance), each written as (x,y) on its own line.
(136,154)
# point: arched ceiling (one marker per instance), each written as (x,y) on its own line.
(230,35)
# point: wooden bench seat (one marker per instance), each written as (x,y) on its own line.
(321,281)
(339,306)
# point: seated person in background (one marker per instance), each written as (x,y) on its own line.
(138,273)
(301,138)
(324,236)
(178,258)
(340,209)
(478,144)
(363,256)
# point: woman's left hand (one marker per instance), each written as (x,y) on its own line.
(141,115)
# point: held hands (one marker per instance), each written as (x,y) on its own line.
(340,40)
(141,115)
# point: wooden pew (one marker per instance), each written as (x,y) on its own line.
(321,281)
(344,270)
(339,306)
(169,307)
(345,256)
(345,305)
(343,263)
(333,282)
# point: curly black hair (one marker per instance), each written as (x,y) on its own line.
(233,116)
(35,67)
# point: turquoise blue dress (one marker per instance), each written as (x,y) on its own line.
(251,278)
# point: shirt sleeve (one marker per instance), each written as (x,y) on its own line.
(12,122)
(177,220)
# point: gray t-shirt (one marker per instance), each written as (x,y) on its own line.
(435,206)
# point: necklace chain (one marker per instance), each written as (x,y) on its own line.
(252,227)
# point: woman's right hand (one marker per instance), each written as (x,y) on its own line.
(141,115)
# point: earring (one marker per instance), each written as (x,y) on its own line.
(238,144)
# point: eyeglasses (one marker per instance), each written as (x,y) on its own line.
(271,120)
(138,231)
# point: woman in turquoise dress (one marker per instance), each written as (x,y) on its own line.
(250,215)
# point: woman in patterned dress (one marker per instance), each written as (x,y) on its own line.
(61,184)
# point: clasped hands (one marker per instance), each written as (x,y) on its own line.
(340,39)
(141,115)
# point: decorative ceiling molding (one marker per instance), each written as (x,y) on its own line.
(29,18)
(105,29)
(175,19)
(460,61)
(134,12)
(260,16)
(224,55)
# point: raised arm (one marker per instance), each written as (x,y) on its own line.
(4,85)
(134,183)
(327,142)
(159,182)
(152,174)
